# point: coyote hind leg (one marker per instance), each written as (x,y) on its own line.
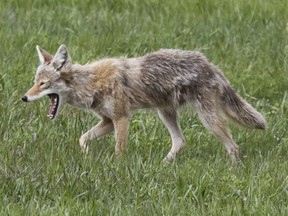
(217,124)
(169,118)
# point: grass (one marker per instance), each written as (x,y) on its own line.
(43,172)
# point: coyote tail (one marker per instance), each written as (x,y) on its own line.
(240,111)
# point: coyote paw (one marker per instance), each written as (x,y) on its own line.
(170,157)
(235,156)
(83,145)
(236,160)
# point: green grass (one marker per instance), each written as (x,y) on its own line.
(43,172)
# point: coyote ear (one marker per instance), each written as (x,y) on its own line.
(44,56)
(61,58)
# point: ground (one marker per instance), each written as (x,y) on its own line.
(42,170)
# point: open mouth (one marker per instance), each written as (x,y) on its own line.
(54,104)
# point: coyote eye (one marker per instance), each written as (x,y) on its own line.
(42,83)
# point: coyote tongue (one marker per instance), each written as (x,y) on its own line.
(54,100)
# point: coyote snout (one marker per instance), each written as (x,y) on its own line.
(164,80)
(24,98)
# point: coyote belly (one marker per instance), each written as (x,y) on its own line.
(163,80)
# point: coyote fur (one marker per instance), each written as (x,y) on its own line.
(164,80)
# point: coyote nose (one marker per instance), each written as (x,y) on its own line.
(24,98)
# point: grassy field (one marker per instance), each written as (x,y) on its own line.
(43,172)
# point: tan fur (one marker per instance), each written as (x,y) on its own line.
(36,89)
(163,80)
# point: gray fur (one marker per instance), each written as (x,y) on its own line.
(163,80)
(175,77)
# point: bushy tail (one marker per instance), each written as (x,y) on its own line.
(240,111)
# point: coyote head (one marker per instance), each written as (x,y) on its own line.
(50,79)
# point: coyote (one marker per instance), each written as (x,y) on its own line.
(164,80)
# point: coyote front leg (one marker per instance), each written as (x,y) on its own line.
(102,128)
(169,118)
(121,126)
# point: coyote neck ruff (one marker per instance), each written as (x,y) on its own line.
(163,80)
